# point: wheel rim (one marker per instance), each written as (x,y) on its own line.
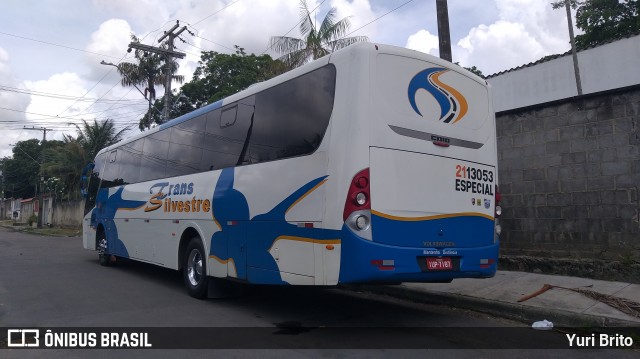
(102,246)
(194,267)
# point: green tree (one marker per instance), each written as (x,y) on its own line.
(55,187)
(66,160)
(218,76)
(21,171)
(65,164)
(316,41)
(473,69)
(603,20)
(149,70)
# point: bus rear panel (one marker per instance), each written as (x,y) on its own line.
(429,212)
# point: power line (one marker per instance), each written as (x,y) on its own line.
(378,18)
(199,21)
(59,96)
(53,44)
(213,42)
(36,114)
(94,86)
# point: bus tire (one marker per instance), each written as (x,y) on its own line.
(101,245)
(194,271)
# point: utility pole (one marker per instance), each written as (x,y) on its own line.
(576,68)
(40,198)
(168,53)
(444,36)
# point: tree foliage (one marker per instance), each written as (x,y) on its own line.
(603,20)
(316,41)
(149,70)
(65,165)
(93,137)
(21,171)
(67,161)
(473,69)
(216,77)
(62,161)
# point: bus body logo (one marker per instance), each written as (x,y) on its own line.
(453,106)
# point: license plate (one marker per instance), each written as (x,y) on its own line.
(442,263)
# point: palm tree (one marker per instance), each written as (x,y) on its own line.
(316,42)
(96,136)
(67,161)
(149,71)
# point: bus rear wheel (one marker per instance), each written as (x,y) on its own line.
(194,271)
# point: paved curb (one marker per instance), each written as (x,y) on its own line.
(514,311)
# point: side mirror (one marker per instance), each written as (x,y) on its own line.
(84,180)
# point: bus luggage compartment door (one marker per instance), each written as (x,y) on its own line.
(423,200)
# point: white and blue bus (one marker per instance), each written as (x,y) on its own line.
(374,164)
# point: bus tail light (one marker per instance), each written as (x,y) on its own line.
(358,197)
(357,207)
(498,211)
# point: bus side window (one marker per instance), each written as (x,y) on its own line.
(292,117)
(225,134)
(228,117)
(154,156)
(185,149)
(129,161)
(109,175)
(94,183)
(112,156)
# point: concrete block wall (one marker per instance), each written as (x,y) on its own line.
(68,213)
(570,178)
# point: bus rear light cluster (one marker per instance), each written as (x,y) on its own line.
(361,222)
(487,263)
(358,197)
(357,206)
(498,212)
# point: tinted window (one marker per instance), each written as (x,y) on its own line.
(94,182)
(100,162)
(228,117)
(109,173)
(189,132)
(185,150)
(129,156)
(154,155)
(287,120)
(291,118)
(225,134)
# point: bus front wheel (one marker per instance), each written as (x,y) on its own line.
(194,271)
(101,246)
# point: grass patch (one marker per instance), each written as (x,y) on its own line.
(45,231)
(56,232)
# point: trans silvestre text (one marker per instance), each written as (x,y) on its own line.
(173,200)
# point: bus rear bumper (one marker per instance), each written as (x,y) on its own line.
(364,261)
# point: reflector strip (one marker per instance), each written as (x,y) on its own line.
(441,144)
(486,263)
(384,264)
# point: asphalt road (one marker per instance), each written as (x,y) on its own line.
(51,282)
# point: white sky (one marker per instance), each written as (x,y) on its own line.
(73,36)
